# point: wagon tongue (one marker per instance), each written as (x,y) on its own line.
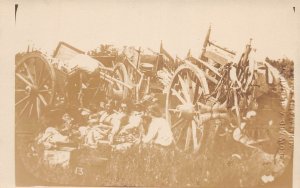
(187,110)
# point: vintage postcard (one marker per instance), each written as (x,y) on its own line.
(153,93)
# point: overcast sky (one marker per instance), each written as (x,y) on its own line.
(179,24)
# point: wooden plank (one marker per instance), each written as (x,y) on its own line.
(109,78)
(133,66)
(106,68)
(212,79)
(221,48)
(65,51)
(216,57)
(210,67)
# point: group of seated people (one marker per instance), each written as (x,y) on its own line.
(116,123)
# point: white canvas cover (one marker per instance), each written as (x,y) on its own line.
(83,62)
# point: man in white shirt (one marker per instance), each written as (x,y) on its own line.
(160,139)
(159,131)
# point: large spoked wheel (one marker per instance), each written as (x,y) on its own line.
(95,88)
(117,89)
(34,86)
(186,93)
(90,87)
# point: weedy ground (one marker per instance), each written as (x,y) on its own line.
(145,166)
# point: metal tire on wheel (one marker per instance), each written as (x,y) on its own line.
(187,89)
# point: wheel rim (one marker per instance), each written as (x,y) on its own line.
(94,88)
(118,90)
(34,86)
(97,88)
(188,88)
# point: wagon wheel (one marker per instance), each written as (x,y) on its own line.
(34,86)
(90,88)
(188,88)
(118,90)
(96,86)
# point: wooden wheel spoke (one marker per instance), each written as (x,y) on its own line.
(28,72)
(44,81)
(185,89)
(20,90)
(188,138)
(41,97)
(22,100)
(196,143)
(180,98)
(180,121)
(38,107)
(196,93)
(179,135)
(48,91)
(32,66)
(200,95)
(24,108)
(191,86)
(30,111)
(24,80)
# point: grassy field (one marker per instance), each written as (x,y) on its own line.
(146,166)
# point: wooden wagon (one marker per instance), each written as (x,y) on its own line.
(70,77)
(219,92)
(220,85)
(211,96)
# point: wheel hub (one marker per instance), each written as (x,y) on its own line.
(187,110)
(32,90)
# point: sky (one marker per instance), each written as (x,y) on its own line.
(181,25)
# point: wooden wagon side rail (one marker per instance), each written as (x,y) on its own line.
(106,68)
(221,48)
(111,80)
(210,67)
(133,66)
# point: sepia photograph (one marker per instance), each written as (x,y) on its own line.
(154,93)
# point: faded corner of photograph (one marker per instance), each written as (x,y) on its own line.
(154,94)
